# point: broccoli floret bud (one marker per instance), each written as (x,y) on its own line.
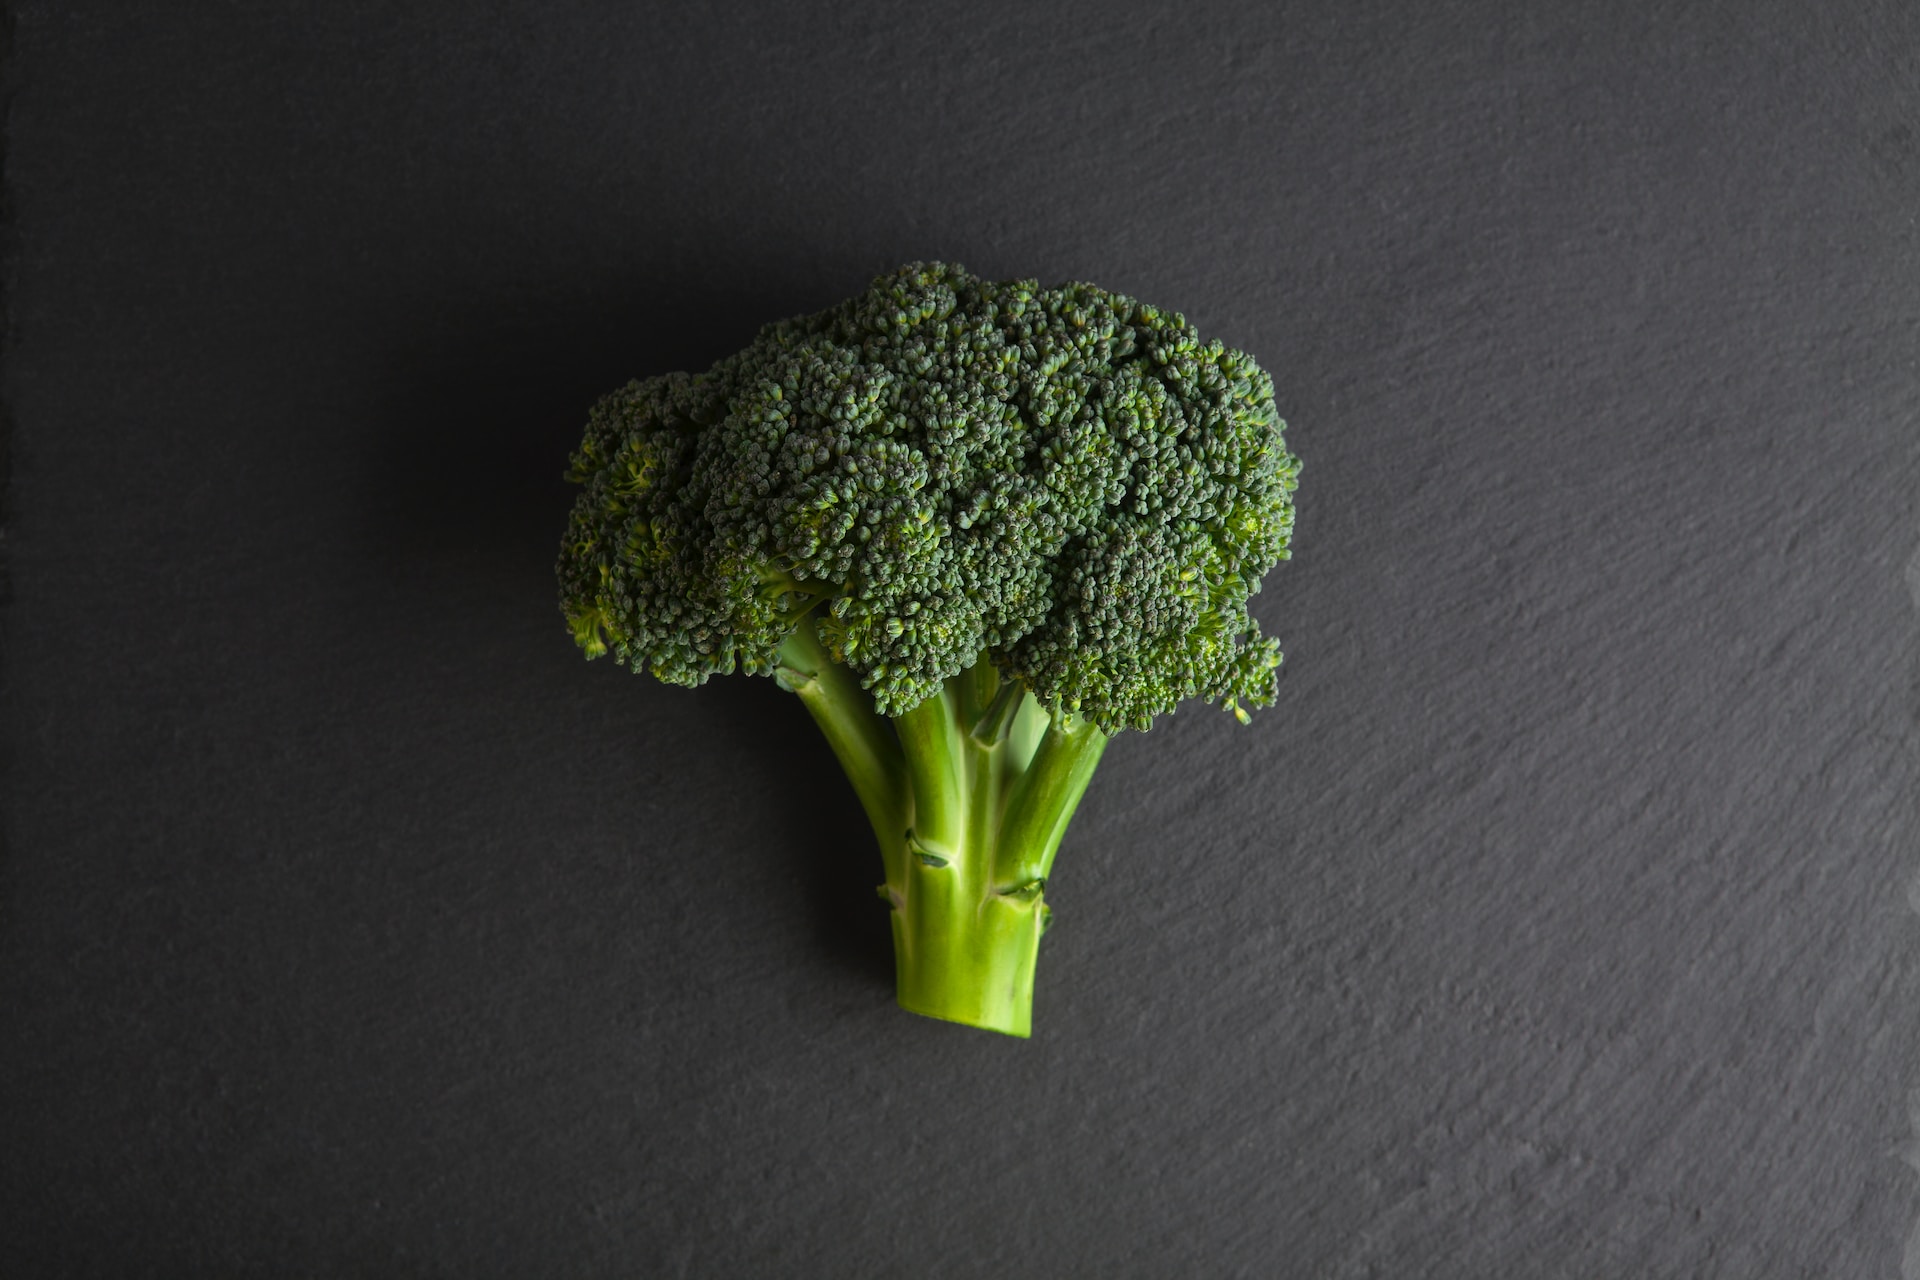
(1065,480)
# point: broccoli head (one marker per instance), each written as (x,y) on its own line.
(978,526)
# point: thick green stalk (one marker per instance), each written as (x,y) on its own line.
(969,794)
(956,955)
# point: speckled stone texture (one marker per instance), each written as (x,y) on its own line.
(1558,923)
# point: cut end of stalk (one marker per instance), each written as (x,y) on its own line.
(1019,1027)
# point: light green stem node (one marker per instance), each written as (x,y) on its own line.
(969,794)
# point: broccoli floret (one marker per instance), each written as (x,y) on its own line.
(977,527)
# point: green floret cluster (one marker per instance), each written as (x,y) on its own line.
(1065,481)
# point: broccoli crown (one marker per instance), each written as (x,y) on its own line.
(1065,480)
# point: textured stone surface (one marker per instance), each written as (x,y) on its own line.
(1557,923)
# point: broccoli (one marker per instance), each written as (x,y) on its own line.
(977,527)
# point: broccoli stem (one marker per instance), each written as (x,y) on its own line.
(1044,798)
(969,794)
(861,739)
(932,739)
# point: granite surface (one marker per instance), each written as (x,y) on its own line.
(1559,922)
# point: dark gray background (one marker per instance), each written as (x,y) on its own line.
(1556,923)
